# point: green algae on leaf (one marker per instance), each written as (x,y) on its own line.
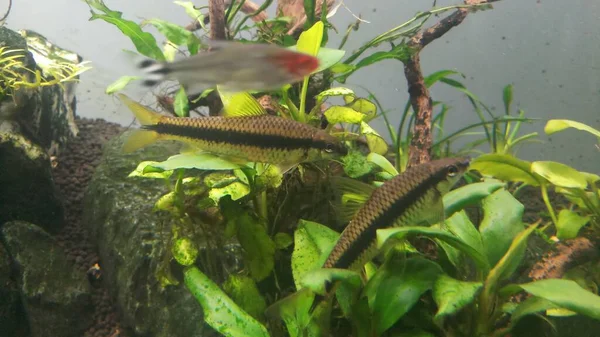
(312,244)
(245,293)
(341,114)
(220,311)
(259,248)
(146,169)
(184,251)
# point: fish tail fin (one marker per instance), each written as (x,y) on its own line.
(144,115)
(141,137)
(138,139)
(155,71)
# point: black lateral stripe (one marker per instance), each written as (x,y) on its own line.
(396,209)
(237,138)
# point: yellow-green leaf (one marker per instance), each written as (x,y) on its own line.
(376,143)
(309,41)
(362,105)
(184,251)
(146,169)
(341,114)
(338,91)
(556,125)
(569,224)
(505,167)
(559,174)
(119,84)
(236,190)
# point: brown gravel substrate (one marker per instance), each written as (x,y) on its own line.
(73,171)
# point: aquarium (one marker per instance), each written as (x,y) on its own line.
(299,168)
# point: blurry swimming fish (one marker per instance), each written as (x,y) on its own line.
(233,66)
(411,198)
(249,135)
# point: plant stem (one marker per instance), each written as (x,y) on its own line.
(302,112)
(544,189)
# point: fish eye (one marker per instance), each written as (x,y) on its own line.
(329,147)
(452,170)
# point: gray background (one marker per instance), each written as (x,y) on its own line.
(547,48)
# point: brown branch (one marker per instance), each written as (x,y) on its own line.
(248,7)
(420,98)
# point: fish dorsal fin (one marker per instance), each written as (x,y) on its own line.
(240,104)
(352,195)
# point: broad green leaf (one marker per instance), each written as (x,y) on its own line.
(356,164)
(174,33)
(309,41)
(362,105)
(452,295)
(166,202)
(341,114)
(259,249)
(569,224)
(468,195)
(559,174)
(501,223)
(507,97)
(312,244)
(119,84)
(235,190)
(399,233)
(243,290)
(146,169)
(271,177)
(181,104)
(184,251)
(556,125)
(283,240)
(200,161)
(382,162)
(144,42)
(293,310)
(375,142)
(337,91)
(460,226)
(401,289)
(505,167)
(530,306)
(509,262)
(309,10)
(414,333)
(316,279)
(220,311)
(566,294)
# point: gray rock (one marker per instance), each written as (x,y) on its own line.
(48,112)
(132,241)
(28,191)
(55,295)
(12,319)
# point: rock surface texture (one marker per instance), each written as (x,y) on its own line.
(132,240)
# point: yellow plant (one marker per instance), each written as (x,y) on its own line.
(14,72)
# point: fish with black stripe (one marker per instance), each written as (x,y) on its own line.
(413,197)
(246,135)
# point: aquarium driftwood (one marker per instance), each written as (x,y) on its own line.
(562,257)
(420,98)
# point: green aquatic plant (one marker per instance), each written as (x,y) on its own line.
(15,74)
(467,293)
